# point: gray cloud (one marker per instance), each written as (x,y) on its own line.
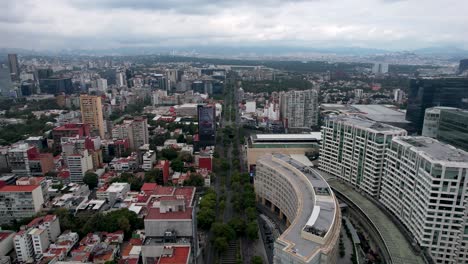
(383,24)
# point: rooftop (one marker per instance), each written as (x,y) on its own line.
(434,149)
(364,123)
(318,211)
(19,188)
(155,214)
(381,113)
(314,136)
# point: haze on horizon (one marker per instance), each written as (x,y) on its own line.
(102,24)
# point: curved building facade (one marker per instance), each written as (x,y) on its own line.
(305,201)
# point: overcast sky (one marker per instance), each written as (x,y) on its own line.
(95,24)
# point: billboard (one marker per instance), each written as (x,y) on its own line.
(206,123)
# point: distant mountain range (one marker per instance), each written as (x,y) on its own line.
(246,51)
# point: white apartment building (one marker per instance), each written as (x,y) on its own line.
(431,121)
(353,150)
(101,84)
(299,109)
(40,240)
(24,246)
(79,164)
(149,158)
(425,185)
(113,192)
(19,201)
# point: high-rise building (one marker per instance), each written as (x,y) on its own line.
(398,96)
(102,84)
(120,79)
(79,163)
(5,80)
(206,124)
(13,64)
(380,68)
(429,92)
(135,130)
(299,109)
(300,197)
(453,127)
(431,121)
(463,66)
(425,186)
(91,113)
(353,150)
(358,93)
(56,85)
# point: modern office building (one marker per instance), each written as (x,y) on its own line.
(353,150)
(299,109)
(429,92)
(306,203)
(453,127)
(91,114)
(431,121)
(13,64)
(20,201)
(206,124)
(425,185)
(463,66)
(56,85)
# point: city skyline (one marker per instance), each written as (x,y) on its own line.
(380,24)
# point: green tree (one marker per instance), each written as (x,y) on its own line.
(154,175)
(91,179)
(223,230)
(181,139)
(195,179)
(177,165)
(256,260)
(205,218)
(169,153)
(221,244)
(252,230)
(238,224)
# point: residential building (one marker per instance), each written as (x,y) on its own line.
(69,130)
(306,203)
(50,223)
(101,85)
(40,240)
(398,96)
(79,163)
(91,114)
(24,246)
(353,150)
(6,242)
(453,127)
(425,185)
(19,157)
(19,201)
(380,68)
(299,109)
(165,253)
(136,130)
(429,92)
(113,192)
(149,158)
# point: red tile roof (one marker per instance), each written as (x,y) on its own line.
(179,256)
(148,187)
(5,234)
(164,190)
(19,188)
(155,214)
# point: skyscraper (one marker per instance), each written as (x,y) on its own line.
(431,121)
(425,186)
(56,85)
(429,92)
(463,66)
(91,113)
(14,67)
(453,127)
(299,109)
(353,150)
(101,84)
(380,68)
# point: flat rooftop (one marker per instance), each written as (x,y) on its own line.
(318,210)
(362,122)
(434,149)
(381,113)
(312,137)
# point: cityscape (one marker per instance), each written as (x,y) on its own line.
(258,134)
